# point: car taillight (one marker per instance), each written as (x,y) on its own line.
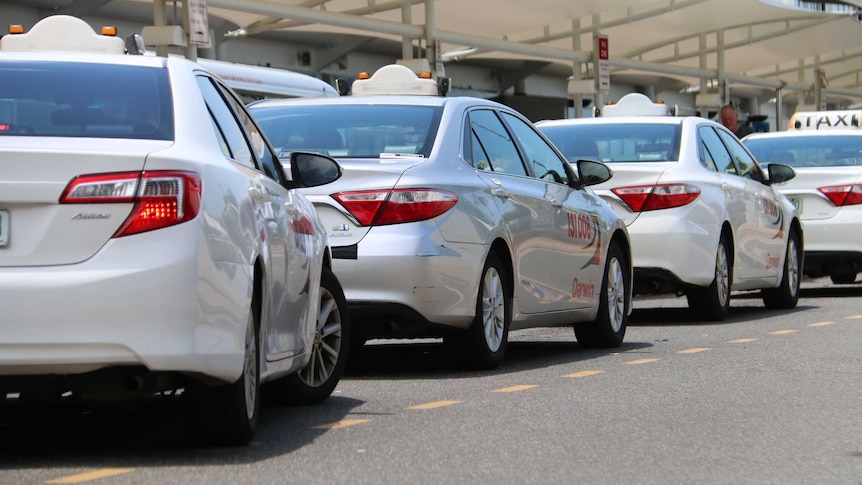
(160,198)
(841,195)
(381,207)
(654,197)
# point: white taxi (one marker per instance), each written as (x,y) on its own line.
(825,149)
(456,218)
(704,218)
(150,242)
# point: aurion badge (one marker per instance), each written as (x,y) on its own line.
(4,228)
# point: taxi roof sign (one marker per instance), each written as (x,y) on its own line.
(395,79)
(825,120)
(636,104)
(62,33)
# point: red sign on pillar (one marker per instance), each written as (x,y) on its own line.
(604,70)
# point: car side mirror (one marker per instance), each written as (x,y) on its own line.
(311,170)
(591,172)
(778,172)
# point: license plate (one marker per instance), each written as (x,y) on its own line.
(4,228)
(797,203)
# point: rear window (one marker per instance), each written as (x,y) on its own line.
(808,151)
(354,131)
(85,100)
(630,142)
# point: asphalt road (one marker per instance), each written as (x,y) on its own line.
(763,397)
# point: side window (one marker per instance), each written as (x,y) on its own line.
(705,156)
(545,162)
(491,140)
(261,148)
(713,145)
(748,168)
(228,127)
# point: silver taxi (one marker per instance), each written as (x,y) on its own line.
(456,218)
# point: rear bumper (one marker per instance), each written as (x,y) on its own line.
(143,301)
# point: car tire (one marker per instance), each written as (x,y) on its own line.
(609,328)
(713,302)
(227,415)
(315,382)
(483,345)
(843,278)
(786,295)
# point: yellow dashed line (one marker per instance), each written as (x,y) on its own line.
(782,332)
(640,361)
(432,405)
(86,477)
(820,324)
(694,350)
(341,424)
(742,340)
(854,317)
(515,388)
(584,373)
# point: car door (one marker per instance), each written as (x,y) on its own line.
(770,217)
(286,258)
(576,270)
(740,202)
(526,210)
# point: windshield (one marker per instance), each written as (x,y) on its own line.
(808,151)
(84,100)
(629,142)
(355,131)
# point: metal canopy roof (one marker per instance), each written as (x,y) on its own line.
(754,45)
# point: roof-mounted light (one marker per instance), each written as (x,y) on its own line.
(61,33)
(109,31)
(16,29)
(396,79)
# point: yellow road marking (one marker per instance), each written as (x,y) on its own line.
(640,361)
(515,388)
(584,373)
(782,332)
(694,350)
(86,477)
(820,324)
(341,424)
(742,340)
(432,405)
(854,317)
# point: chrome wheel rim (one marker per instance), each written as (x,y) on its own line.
(616,294)
(722,275)
(327,343)
(250,368)
(493,309)
(792,267)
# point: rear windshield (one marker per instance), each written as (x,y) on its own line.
(629,142)
(355,131)
(808,151)
(85,100)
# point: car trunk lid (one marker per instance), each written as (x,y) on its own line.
(359,175)
(38,229)
(803,192)
(630,175)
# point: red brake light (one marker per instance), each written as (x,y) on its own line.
(161,198)
(842,195)
(382,207)
(654,197)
